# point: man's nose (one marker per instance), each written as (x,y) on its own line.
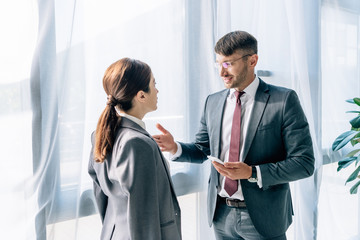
(222,71)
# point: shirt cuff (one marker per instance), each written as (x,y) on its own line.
(258,174)
(178,152)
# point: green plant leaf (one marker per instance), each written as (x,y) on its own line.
(356,130)
(357,160)
(355,122)
(357,101)
(353,189)
(354,101)
(353,175)
(343,163)
(343,139)
(356,139)
(352,153)
(353,112)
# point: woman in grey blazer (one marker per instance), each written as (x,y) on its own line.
(132,183)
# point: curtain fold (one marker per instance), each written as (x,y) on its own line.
(340,30)
(74,49)
(304,71)
(287,33)
(44,98)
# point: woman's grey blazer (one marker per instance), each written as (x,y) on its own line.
(133,188)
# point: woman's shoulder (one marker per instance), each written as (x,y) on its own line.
(128,137)
(131,145)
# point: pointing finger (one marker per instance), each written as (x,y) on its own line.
(161,128)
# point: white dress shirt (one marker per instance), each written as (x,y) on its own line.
(134,119)
(247,104)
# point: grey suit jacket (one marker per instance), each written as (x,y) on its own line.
(133,189)
(278,140)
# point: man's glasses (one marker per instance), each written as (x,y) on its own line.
(229,63)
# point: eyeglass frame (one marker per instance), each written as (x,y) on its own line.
(228,64)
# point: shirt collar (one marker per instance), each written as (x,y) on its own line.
(134,119)
(249,90)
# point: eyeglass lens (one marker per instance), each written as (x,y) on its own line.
(226,64)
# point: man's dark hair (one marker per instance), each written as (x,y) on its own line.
(237,40)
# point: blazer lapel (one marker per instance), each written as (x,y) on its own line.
(217,121)
(130,124)
(261,98)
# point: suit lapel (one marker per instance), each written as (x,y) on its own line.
(217,121)
(261,98)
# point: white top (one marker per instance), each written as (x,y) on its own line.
(134,119)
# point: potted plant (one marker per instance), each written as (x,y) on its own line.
(352,136)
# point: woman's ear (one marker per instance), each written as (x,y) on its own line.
(140,96)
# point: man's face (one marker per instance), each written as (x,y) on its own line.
(236,70)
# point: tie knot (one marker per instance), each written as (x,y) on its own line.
(238,95)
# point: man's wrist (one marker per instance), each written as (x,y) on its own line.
(253,177)
(175,148)
(177,153)
(250,172)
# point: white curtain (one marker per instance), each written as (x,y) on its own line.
(339,211)
(52,62)
(19,34)
(47,142)
(287,33)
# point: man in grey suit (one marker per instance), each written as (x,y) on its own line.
(261,136)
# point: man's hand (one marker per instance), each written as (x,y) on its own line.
(165,140)
(233,170)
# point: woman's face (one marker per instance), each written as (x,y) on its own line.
(152,95)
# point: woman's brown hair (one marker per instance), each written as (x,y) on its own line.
(122,81)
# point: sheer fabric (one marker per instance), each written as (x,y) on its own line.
(340,27)
(287,41)
(19,27)
(78,40)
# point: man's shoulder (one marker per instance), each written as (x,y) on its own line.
(279,94)
(214,99)
(271,87)
(279,88)
(275,89)
(219,94)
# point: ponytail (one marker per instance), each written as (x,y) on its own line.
(105,131)
(122,81)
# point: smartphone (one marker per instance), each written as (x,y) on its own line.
(215,160)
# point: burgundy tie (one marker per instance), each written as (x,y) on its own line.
(231,186)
